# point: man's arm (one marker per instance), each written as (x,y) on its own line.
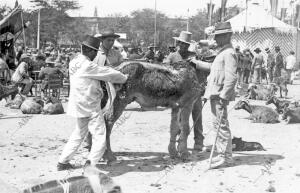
(41,74)
(103,73)
(24,70)
(168,60)
(230,75)
(201,65)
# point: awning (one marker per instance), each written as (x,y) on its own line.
(12,23)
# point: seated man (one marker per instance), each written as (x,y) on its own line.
(4,68)
(48,71)
(21,75)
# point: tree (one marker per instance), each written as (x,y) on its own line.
(55,22)
(4,10)
(143,24)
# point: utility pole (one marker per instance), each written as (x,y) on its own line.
(187,22)
(24,38)
(210,13)
(38,30)
(155,27)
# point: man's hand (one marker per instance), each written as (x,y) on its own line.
(223,102)
(118,86)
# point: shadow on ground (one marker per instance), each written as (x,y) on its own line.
(157,161)
(256,159)
(145,162)
(146,109)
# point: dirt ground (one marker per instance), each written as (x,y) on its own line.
(30,147)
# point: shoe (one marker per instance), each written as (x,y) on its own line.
(64,166)
(88,147)
(221,163)
(198,147)
(87,163)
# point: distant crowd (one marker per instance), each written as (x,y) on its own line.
(254,68)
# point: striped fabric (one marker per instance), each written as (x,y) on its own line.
(267,38)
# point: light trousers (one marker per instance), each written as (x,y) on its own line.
(224,143)
(28,84)
(96,126)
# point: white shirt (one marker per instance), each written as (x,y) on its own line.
(85,90)
(290,61)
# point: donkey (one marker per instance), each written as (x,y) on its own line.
(152,85)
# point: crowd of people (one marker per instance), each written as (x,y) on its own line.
(255,68)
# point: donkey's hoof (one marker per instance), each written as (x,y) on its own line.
(172,151)
(184,155)
(109,156)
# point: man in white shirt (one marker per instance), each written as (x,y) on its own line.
(290,63)
(85,103)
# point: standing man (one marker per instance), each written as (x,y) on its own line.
(258,61)
(278,62)
(270,64)
(182,54)
(84,103)
(239,67)
(247,62)
(106,54)
(150,55)
(290,63)
(220,90)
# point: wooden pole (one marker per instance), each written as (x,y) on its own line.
(155,28)
(210,13)
(38,30)
(24,39)
(187,22)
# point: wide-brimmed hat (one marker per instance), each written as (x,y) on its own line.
(109,33)
(185,37)
(222,28)
(91,42)
(50,60)
(152,46)
(24,56)
(257,50)
(267,50)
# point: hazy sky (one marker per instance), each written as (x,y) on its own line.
(170,7)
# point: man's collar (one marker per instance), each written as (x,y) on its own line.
(225,47)
(103,50)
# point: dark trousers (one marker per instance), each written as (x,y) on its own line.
(246,75)
(198,128)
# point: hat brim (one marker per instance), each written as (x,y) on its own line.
(90,46)
(178,39)
(107,36)
(225,31)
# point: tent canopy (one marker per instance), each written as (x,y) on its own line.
(256,17)
(12,23)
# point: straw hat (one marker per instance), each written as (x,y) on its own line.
(267,50)
(109,33)
(185,37)
(50,60)
(24,56)
(222,28)
(152,46)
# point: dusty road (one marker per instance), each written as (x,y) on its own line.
(30,146)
